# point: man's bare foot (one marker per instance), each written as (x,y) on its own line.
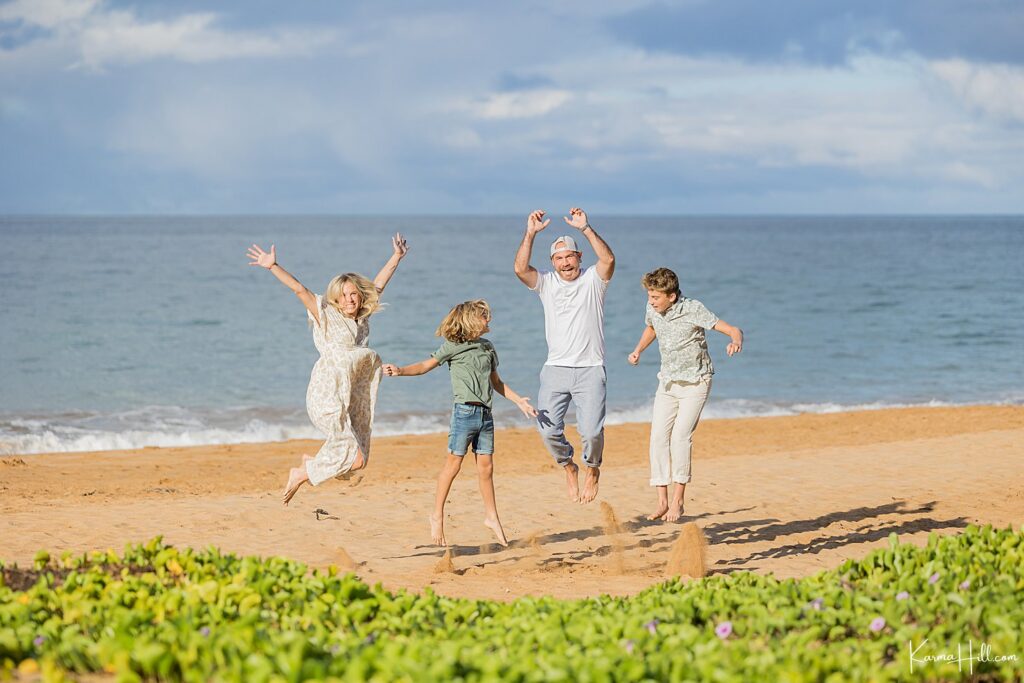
(306,458)
(437,530)
(675,511)
(572,480)
(296,478)
(590,485)
(659,513)
(495,526)
(360,461)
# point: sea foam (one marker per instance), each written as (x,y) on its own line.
(178,427)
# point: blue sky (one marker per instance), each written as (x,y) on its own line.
(622,107)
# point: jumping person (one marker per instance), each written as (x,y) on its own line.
(573,301)
(342,389)
(473,365)
(684,382)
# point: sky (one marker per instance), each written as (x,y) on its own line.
(417,107)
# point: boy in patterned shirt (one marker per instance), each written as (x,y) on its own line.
(684,381)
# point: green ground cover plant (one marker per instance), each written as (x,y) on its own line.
(163,613)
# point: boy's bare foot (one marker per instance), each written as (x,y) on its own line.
(495,526)
(437,530)
(659,513)
(296,478)
(572,480)
(675,511)
(590,485)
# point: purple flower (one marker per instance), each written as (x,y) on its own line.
(965,584)
(370,639)
(877,624)
(652,626)
(902,595)
(724,630)
(629,646)
(205,631)
(817,604)
(39,640)
(934,578)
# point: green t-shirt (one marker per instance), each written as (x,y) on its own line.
(470,364)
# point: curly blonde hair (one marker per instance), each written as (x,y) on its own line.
(465,322)
(367,292)
(662,280)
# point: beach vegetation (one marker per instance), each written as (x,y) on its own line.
(157,612)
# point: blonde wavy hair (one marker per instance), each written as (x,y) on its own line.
(367,292)
(662,280)
(465,322)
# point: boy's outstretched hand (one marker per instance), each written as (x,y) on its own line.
(524,405)
(392,370)
(633,358)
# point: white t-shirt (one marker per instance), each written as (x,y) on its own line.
(573,318)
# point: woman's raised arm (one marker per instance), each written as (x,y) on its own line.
(400,250)
(268,260)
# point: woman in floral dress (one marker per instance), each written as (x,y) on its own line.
(342,389)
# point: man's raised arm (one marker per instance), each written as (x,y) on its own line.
(526,273)
(605,257)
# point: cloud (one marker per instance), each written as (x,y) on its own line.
(47,13)
(101,36)
(995,89)
(827,32)
(447,106)
(523,104)
(512,81)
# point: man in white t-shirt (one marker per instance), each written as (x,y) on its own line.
(573,302)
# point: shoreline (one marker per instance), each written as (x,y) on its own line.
(788,495)
(71,437)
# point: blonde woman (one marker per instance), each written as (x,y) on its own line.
(473,365)
(342,389)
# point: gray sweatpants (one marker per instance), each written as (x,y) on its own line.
(586,388)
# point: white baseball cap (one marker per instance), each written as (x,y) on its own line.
(568,244)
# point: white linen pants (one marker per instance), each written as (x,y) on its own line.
(677,408)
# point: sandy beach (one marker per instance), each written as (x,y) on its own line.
(788,495)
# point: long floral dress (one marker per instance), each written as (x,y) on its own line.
(342,391)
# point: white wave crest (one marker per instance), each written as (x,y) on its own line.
(175,427)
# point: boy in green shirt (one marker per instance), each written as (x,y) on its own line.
(473,365)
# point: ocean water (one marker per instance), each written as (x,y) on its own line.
(121,332)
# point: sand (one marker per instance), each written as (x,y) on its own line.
(788,495)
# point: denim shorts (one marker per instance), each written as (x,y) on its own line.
(471,425)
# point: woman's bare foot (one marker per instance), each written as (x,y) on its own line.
(590,485)
(659,513)
(296,478)
(437,530)
(359,464)
(675,511)
(572,480)
(495,526)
